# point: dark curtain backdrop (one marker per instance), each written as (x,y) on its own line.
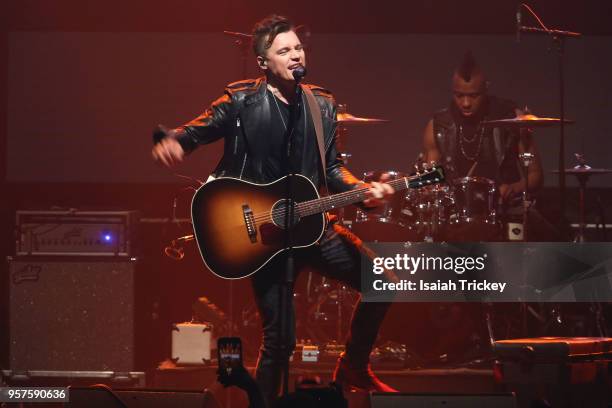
(81,106)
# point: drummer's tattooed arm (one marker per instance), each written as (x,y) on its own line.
(534,172)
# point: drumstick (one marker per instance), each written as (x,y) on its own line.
(469,173)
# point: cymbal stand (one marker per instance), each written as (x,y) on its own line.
(558,38)
(526,160)
(341,137)
(243,42)
(582,181)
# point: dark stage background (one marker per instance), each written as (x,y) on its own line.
(83,83)
(81,105)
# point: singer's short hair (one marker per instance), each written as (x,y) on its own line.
(266,30)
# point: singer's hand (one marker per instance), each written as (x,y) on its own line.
(168,152)
(379,191)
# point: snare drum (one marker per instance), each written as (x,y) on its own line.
(474,214)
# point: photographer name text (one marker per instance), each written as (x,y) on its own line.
(440,286)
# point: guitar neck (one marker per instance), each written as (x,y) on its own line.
(339,200)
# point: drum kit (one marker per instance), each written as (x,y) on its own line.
(465,209)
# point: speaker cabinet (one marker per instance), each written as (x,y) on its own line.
(104,397)
(442,400)
(71,315)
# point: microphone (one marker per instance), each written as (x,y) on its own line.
(518,23)
(299,73)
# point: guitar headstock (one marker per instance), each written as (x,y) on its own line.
(434,175)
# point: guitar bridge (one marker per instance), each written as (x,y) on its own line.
(249,221)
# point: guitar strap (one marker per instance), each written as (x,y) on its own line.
(315,113)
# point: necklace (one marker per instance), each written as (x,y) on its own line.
(279,110)
(463,139)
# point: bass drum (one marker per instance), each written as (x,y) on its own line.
(389,222)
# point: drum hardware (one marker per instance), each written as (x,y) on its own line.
(347,119)
(345,157)
(326,309)
(558,38)
(526,121)
(526,160)
(428,209)
(243,42)
(391,220)
(174,250)
(474,216)
(431,211)
(582,172)
(602,219)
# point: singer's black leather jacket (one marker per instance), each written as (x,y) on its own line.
(243,115)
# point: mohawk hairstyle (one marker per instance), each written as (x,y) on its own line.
(468,67)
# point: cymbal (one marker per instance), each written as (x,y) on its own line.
(346,119)
(585,171)
(526,121)
(240,36)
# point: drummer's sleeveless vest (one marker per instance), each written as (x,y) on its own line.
(498,154)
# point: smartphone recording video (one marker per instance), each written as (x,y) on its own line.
(229,351)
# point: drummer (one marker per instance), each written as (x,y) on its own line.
(455,137)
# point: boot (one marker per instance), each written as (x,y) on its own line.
(360,377)
(268,376)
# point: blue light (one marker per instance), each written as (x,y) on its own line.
(108,238)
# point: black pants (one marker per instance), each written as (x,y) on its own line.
(338,256)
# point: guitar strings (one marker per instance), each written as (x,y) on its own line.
(310,204)
(334,200)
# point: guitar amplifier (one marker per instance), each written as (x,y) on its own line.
(71,315)
(75,233)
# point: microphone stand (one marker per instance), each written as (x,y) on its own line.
(286,289)
(558,37)
(243,42)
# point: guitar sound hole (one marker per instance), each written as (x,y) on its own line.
(279,214)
